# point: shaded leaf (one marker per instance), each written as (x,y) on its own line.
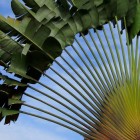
(14,101)
(7,112)
(18,8)
(18,64)
(135,27)
(11,82)
(26,49)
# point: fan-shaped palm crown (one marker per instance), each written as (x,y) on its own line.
(94,89)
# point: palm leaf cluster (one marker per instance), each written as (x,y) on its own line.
(102,100)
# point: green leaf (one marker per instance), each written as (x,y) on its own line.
(18,8)
(3,64)
(14,101)
(38,60)
(7,112)
(11,82)
(65,4)
(18,64)
(94,17)
(122,7)
(135,27)
(31,4)
(26,49)
(131,12)
(78,3)
(8,47)
(52,46)
(98,2)
(11,23)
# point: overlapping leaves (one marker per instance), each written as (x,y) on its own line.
(43,28)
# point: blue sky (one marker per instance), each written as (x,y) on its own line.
(28,128)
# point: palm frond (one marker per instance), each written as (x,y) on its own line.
(93,84)
(102,94)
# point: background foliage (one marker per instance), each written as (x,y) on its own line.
(32,41)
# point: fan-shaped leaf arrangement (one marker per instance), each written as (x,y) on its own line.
(91,85)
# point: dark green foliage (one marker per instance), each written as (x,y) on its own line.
(42,29)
